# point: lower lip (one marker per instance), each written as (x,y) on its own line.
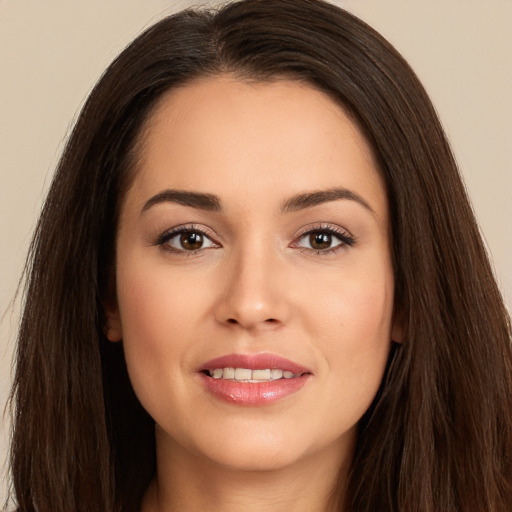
(253,394)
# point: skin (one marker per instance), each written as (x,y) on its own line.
(255,286)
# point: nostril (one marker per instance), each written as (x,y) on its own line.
(249,324)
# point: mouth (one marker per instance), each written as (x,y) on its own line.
(253,380)
(253,376)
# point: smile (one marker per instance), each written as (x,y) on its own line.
(253,380)
(248,375)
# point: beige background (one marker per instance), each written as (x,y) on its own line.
(52,52)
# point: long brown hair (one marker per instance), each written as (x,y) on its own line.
(439,435)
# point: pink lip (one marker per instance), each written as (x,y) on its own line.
(258,393)
(254,362)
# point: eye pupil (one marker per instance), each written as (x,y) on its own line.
(191,240)
(320,240)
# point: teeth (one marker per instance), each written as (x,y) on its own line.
(276,374)
(260,375)
(229,373)
(243,374)
(248,375)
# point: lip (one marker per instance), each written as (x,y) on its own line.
(254,362)
(254,394)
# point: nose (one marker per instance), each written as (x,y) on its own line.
(254,293)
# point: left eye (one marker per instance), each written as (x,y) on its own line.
(320,240)
(188,240)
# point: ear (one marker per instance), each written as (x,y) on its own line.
(113,329)
(397,329)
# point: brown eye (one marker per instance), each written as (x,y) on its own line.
(186,240)
(320,241)
(191,240)
(324,240)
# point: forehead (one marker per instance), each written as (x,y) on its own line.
(230,137)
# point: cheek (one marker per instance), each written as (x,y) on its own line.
(157,319)
(353,329)
(355,306)
(155,304)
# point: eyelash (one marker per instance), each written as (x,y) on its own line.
(164,238)
(346,240)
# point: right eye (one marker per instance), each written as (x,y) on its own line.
(186,240)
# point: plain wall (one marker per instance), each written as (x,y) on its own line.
(52,52)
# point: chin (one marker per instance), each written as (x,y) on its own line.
(257,458)
(267,449)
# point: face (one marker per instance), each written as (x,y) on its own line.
(254,276)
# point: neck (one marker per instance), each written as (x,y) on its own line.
(188,482)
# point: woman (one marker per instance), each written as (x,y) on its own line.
(257,281)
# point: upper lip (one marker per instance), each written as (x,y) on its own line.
(255,362)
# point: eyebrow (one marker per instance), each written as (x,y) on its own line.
(211,202)
(201,201)
(309,199)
